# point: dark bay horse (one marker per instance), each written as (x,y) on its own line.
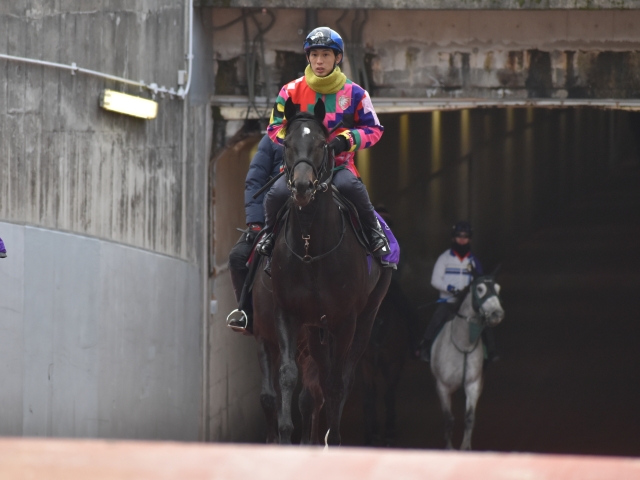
(264,331)
(457,354)
(324,288)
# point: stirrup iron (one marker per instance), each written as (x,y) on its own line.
(242,316)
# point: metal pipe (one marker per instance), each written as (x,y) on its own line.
(153,87)
(182,93)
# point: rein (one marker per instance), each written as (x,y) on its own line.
(307,238)
(318,186)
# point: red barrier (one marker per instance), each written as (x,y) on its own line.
(115,460)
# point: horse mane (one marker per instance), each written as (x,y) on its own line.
(300,116)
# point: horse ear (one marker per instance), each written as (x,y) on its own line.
(496,270)
(289,109)
(319,110)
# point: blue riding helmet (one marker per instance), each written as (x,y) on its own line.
(324,37)
(462,227)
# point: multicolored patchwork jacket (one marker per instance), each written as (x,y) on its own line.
(351,105)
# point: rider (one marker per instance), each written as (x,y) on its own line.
(345,102)
(452,272)
(265,164)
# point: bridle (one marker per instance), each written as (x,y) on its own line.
(328,163)
(477,302)
(326,170)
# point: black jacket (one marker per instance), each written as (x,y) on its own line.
(265,164)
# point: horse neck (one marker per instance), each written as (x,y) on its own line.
(320,219)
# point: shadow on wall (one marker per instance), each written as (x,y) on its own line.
(507,170)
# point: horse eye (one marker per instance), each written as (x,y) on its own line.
(497,288)
(481,290)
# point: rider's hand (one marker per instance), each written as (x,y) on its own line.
(339,144)
(452,289)
(252,232)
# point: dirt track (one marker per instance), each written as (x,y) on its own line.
(569,377)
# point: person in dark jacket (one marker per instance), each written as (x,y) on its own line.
(265,165)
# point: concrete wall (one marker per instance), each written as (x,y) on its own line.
(99,339)
(491,54)
(428,4)
(235,412)
(104,293)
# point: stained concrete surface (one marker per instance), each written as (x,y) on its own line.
(567,381)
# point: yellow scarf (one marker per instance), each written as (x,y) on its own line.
(332,83)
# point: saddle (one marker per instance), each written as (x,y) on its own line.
(347,209)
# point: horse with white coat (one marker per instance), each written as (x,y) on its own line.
(457,355)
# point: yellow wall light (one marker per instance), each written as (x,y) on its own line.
(128,104)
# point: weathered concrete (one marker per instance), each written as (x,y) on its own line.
(99,339)
(485,54)
(119,305)
(428,4)
(70,165)
(234,370)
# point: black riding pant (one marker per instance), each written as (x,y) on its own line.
(443,312)
(238,258)
(349,185)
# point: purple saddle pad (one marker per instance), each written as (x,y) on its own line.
(392,258)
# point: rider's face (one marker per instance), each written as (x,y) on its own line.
(462,239)
(322,61)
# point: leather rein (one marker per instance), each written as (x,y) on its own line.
(318,187)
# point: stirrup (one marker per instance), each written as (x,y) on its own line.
(236,326)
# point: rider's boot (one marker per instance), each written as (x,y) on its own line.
(425,350)
(489,339)
(265,244)
(378,242)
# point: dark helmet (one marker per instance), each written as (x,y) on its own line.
(324,37)
(462,227)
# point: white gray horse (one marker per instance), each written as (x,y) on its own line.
(457,354)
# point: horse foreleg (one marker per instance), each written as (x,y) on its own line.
(472,391)
(369,403)
(444,393)
(390,415)
(338,381)
(288,374)
(268,396)
(310,402)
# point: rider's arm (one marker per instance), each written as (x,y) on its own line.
(260,169)
(366,130)
(476,264)
(437,277)
(275,129)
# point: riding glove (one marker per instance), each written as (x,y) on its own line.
(339,144)
(252,232)
(452,289)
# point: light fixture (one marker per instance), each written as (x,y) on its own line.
(128,104)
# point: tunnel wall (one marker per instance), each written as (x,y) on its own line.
(234,389)
(104,216)
(506,170)
(448,54)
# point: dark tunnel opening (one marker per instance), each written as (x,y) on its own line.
(553,196)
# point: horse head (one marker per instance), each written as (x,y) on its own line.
(306,153)
(486,299)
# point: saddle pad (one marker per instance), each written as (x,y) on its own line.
(392,258)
